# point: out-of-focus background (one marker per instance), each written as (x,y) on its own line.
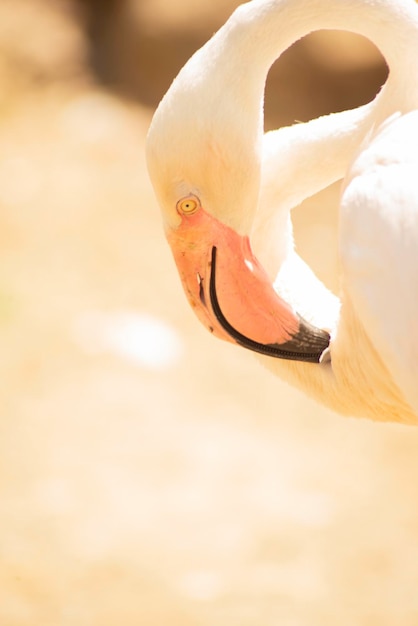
(150,475)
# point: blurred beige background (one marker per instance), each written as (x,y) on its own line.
(150,475)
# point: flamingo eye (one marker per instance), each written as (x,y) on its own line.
(188,205)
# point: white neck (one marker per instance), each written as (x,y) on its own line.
(297,162)
(269,27)
(256,34)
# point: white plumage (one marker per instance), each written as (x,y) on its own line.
(206,140)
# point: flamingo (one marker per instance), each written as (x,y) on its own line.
(226,190)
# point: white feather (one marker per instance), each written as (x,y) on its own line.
(206,138)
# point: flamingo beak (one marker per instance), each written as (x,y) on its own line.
(230,291)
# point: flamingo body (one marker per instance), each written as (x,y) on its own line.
(379,246)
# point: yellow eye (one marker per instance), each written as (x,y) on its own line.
(188,205)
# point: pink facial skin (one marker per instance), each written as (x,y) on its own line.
(236,303)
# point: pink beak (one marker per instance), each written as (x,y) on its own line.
(230,291)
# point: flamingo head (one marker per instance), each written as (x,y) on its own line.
(204,160)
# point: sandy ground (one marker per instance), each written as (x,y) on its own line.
(150,475)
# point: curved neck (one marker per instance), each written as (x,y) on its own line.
(256,34)
(215,105)
(271,26)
